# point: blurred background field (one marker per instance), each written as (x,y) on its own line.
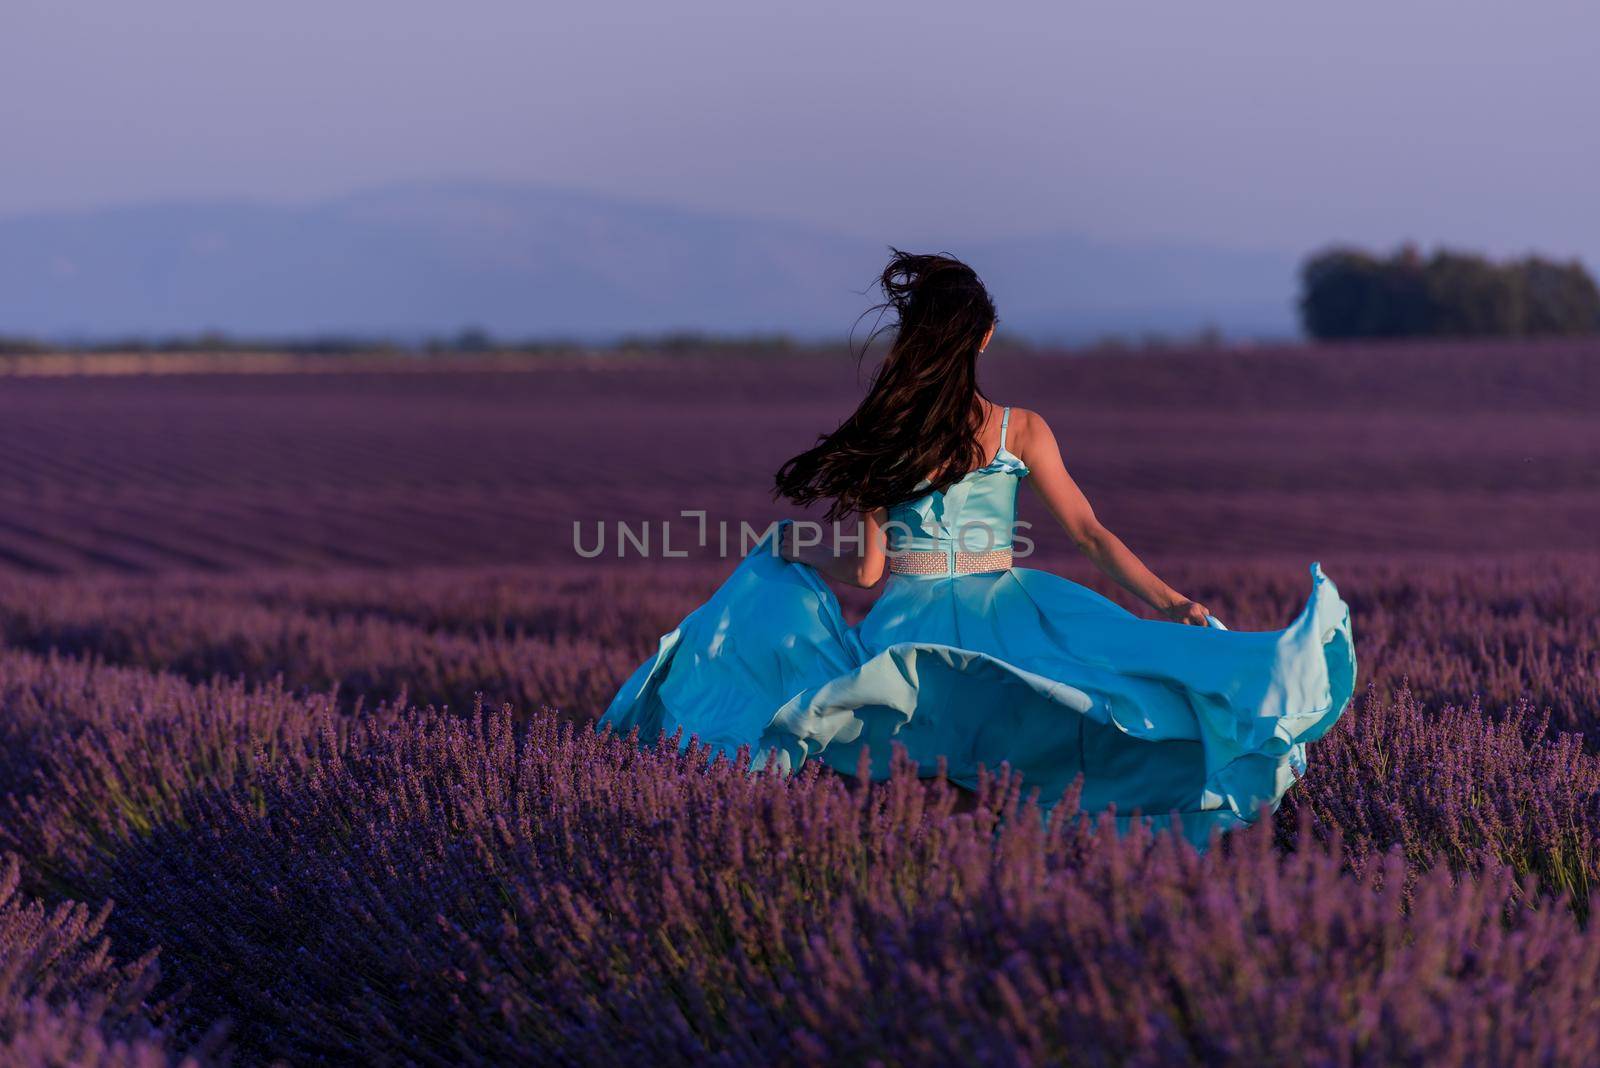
(1334,452)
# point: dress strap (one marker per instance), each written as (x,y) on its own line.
(1005,420)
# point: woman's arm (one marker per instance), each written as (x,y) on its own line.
(856,558)
(1036,445)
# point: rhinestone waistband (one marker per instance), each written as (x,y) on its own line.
(916,562)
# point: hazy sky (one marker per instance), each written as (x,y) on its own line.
(1272,124)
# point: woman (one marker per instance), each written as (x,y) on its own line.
(969,659)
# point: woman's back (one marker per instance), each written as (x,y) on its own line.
(969,526)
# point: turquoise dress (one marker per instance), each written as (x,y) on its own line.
(1164,721)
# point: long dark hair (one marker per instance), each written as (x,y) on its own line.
(921,413)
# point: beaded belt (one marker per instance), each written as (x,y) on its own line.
(916,562)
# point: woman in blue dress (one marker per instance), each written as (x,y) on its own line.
(965,657)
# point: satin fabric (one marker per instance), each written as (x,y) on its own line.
(1164,722)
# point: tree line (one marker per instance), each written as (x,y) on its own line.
(1351,293)
(468,341)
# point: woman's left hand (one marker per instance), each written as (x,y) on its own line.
(1191,612)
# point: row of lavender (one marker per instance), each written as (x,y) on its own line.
(1450,628)
(305,867)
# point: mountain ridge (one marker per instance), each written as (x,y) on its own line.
(530,260)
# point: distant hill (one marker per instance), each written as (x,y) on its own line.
(532,261)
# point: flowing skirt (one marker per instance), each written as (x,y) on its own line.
(1163,721)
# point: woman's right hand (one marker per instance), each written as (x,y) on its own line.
(1191,612)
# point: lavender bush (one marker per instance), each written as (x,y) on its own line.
(1453,787)
(200,635)
(64,1000)
(99,755)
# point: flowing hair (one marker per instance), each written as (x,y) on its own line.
(921,417)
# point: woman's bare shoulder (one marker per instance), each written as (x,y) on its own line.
(1030,437)
(1026,423)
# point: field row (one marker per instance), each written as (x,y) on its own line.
(565,636)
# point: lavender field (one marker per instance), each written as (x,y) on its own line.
(297,672)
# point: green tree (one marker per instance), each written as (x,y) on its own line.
(1348,293)
(1351,293)
(1470,297)
(1558,298)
